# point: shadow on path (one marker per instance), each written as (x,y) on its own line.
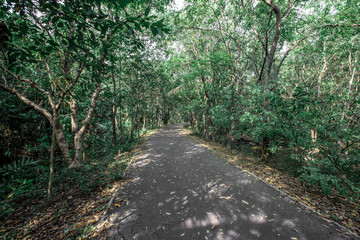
(180,190)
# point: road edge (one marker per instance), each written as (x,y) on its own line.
(138,152)
(294,200)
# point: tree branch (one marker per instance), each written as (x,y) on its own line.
(27,101)
(91,110)
(31,83)
(308,34)
(70,87)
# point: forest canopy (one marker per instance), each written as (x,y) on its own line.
(81,80)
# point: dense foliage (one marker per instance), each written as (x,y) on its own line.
(92,76)
(284,74)
(60,63)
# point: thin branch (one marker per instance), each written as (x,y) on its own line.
(309,33)
(27,101)
(70,86)
(32,84)
(256,33)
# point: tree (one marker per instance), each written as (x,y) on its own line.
(78,36)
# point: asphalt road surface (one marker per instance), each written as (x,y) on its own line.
(180,190)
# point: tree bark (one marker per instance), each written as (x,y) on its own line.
(350,83)
(119,126)
(79,135)
(144,123)
(270,59)
(270,62)
(59,133)
(51,162)
(60,138)
(74,107)
(114,109)
(313,131)
(230,135)
(206,115)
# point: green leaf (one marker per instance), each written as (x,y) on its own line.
(49,49)
(147,11)
(124,3)
(60,24)
(55,19)
(154,30)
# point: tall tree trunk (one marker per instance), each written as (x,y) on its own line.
(51,162)
(114,109)
(350,83)
(209,123)
(144,123)
(206,116)
(269,66)
(205,126)
(120,126)
(134,124)
(313,131)
(230,135)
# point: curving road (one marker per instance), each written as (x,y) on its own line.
(181,190)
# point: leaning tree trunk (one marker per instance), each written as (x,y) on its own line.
(79,134)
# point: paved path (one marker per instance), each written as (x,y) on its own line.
(181,190)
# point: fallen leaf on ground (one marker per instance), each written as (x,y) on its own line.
(223,197)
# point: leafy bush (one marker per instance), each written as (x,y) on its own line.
(91,175)
(17,179)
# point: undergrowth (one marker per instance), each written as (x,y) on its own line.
(23,193)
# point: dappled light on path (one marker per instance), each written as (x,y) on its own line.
(181,190)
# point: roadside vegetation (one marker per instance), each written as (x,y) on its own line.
(280,173)
(81,81)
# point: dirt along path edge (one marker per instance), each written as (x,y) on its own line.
(138,152)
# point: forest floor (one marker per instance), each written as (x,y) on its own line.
(179,189)
(68,214)
(333,206)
